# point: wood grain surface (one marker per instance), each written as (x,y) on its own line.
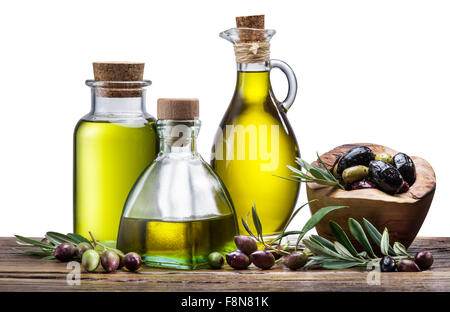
(19,272)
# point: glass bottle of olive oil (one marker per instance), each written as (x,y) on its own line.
(255,142)
(113,144)
(178,211)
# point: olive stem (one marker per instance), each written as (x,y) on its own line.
(93,239)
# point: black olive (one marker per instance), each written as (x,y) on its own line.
(406,166)
(359,155)
(387,264)
(385,176)
(424,259)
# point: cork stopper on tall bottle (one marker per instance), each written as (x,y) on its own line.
(253,44)
(178,109)
(119,79)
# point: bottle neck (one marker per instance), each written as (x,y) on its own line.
(111,107)
(178,137)
(253,82)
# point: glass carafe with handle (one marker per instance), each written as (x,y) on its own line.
(255,142)
(178,211)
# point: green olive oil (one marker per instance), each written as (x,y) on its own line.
(252,149)
(109,157)
(178,244)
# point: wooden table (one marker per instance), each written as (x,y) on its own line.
(19,272)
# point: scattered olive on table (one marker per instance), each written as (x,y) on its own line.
(132,261)
(90,260)
(237,260)
(295,260)
(246,244)
(110,261)
(65,252)
(406,265)
(82,248)
(387,264)
(215,260)
(262,259)
(424,259)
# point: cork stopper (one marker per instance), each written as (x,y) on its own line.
(119,79)
(253,22)
(178,109)
(118,71)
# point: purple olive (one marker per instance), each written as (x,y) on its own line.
(295,260)
(404,188)
(246,244)
(64,252)
(387,264)
(424,259)
(407,266)
(237,260)
(363,184)
(81,249)
(262,259)
(132,261)
(110,261)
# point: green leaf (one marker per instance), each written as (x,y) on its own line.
(315,218)
(303,164)
(342,238)
(323,241)
(32,252)
(78,238)
(323,251)
(358,233)
(375,235)
(318,174)
(60,238)
(325,167)
(400,250)
(339,264)
(342,250)
(51,257)
(35,242)
(256,221)
(247,228)
(384,244)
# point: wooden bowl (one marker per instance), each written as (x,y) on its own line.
(403,214)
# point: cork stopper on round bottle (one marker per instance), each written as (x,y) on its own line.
(119,79)
(178,109)
(118,71)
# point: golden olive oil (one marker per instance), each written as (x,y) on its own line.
(109,157)
(180,245)
(252,148)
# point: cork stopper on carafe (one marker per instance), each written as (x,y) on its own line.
(253,44)
(178,109)
(118,78)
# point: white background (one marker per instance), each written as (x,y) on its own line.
(372,71)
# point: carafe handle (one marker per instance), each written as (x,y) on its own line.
(292,82)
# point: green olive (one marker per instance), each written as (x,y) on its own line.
(386,157)
(90,260)
(354,174)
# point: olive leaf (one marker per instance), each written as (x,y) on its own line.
(341,237)
(317,175)
(257,222)
(358,233)
(323,241)
(384,244)
(34,242)
(400,249)
(375,235)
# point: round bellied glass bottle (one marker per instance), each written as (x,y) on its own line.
(113,144)
(255,142)
(178,211)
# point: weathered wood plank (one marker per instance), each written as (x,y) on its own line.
(20,272)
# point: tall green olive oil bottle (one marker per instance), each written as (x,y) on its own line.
(255,142)
(113,144)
